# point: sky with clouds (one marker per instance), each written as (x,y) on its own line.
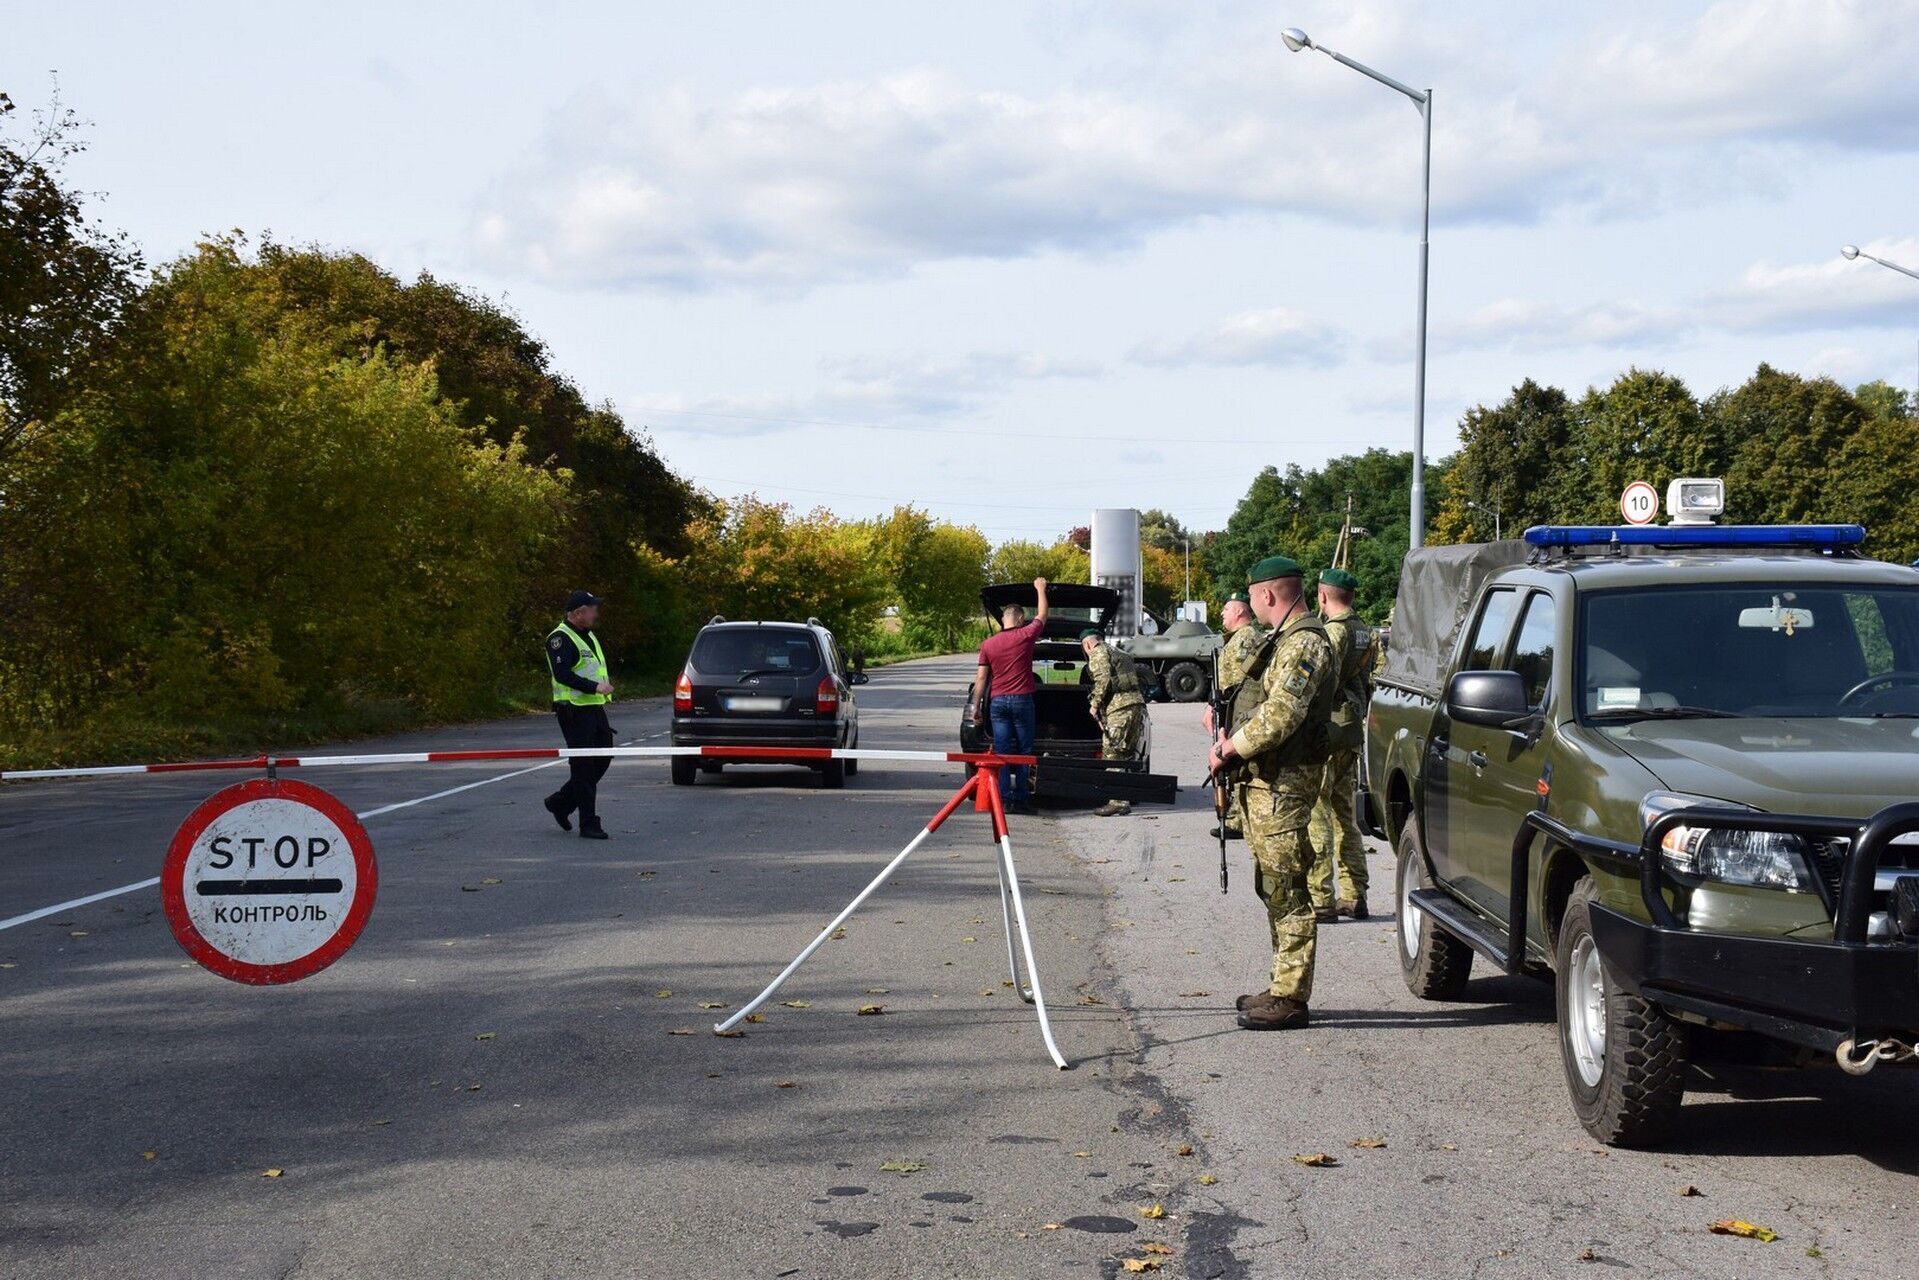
(1013,261)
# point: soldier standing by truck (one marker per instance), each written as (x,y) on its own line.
(1338,842)
(1243,634)
(1277,751)
(1119,706)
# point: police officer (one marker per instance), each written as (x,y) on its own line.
(1337,839)
(1278,751)
(1243,634)
(581,691)
(1118,705)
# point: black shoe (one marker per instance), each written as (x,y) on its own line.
(1326,915)
(559,812)
(592,833)
(1230,834)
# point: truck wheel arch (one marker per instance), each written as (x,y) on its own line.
(1399,801)
(1561,873)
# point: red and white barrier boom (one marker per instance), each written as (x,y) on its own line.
(982,788)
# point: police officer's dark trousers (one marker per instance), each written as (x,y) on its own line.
(583,727)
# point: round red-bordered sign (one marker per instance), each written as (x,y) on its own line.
(268,881)
(1639,503)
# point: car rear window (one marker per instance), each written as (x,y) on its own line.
(730,652)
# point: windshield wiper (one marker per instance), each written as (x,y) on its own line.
(1662,713)
(750,672)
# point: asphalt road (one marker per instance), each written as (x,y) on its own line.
(489,1083)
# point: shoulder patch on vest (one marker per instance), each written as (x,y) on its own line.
(556,643)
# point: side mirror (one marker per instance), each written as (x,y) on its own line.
(1493,699)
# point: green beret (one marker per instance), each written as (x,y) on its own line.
(1274,567)
(1340,578)
(1092,633)
(1239,597)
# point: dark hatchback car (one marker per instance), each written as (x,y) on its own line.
(1065,725)
(764,684)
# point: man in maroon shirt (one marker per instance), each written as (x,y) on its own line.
(1006,679)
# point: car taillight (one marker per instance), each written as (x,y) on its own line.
(683,694)
(826,699)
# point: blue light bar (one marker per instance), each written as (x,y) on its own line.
(1827,536)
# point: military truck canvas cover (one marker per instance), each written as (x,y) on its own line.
(1436,588)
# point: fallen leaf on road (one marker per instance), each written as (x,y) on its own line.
(1316,1160)
(648,875)
(989,991)
(730,1035)
(1689,1190)
(680,1031)
(1137,1265)
(1185,1149)
(796,1004)
(756,1017)
(484,1035)
(1175,879)
(1091,1000)
(712,1004)
(1154,1246)
(901,1167)
(469,888)
(969,938)
(876,991)
(149,1155)
(1750,1230)
(1050,1226)
(872,1010)
(1082,1155)
(273,1173)
(1448,1146)
(473,1088)
(493,880)
(662,994)
(381,1123)
(1194,995)
(1207,1180)
(838,933)
(787,1084)
(1367,1144)
(1154,1210)
(78,933)
(1587,1255)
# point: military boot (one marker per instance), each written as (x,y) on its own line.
(1328,914)
(561,811)
(1282,1014)
(1255,1000)
(1355,908)
(1114,809)
(1231,833)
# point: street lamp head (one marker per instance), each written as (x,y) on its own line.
(1849,251)
(1296,39)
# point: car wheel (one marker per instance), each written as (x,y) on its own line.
(685,769)
(1434,963)
(1625,1057)
(833,775)
(1186,682)
(711,766)
(853,766)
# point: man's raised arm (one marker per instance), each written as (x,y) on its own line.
(1039,617)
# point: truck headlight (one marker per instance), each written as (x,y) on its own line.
(1765,859)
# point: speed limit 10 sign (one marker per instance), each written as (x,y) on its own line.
(1639,503)
(269,881)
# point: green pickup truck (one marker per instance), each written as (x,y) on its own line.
(1675,769)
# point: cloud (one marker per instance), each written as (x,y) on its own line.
(1279,337)
(861,391)
(783,188)
(1830,293)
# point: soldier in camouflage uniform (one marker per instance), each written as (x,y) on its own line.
(1118,705)
(1243,634)
(1337,839)
(1278,748)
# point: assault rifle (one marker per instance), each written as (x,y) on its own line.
(1221,705)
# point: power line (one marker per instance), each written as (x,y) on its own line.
(961,435)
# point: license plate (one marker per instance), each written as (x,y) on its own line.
(755,704)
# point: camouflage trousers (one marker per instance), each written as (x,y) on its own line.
(1337,839)
(1282,852)
(1124,730)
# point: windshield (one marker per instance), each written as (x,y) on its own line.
(1779,649)
(767,651)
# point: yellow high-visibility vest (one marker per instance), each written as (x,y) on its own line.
(591,667)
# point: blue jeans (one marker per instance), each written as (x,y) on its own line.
(1015,717)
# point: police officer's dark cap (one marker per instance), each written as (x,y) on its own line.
(580,599)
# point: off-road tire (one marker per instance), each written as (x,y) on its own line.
(1437,965)
(1642,1077)
(685,769)
(833,774)
(1185,682)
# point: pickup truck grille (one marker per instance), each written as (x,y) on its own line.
(1829,860)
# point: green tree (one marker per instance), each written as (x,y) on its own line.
(1882,400)
(1022,561)
(761,560)
(64,280)
(1785,435)
(1645,426)
(1506,463)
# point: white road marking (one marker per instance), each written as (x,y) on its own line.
(58,907)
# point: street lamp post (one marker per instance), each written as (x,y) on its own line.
(1852,251)
(1497,517)
(1297,40)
